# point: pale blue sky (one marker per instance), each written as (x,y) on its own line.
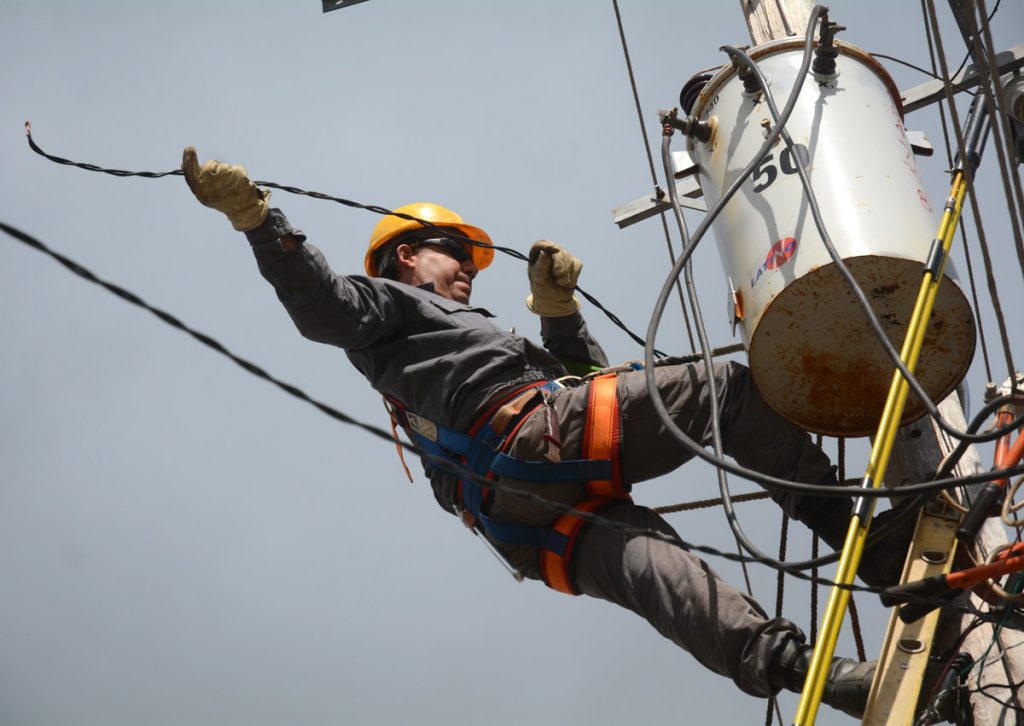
(181,542)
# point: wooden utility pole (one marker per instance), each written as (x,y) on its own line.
(774,19)
(918,450)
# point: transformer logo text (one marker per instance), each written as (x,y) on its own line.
(780,253)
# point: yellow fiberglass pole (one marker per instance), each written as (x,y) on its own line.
(853,547)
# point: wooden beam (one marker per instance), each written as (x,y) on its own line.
(774,19)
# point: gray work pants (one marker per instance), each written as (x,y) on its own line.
(679,594)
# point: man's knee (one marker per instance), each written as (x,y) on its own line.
(733,374)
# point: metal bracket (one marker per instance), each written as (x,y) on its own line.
(932,91)
(638,210)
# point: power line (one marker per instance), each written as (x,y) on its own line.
(375,208)
(456,470)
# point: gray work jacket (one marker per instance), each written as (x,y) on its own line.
(442,359)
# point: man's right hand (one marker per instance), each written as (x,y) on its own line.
(226,188)
(553,273)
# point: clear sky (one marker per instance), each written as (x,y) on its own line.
(182,543)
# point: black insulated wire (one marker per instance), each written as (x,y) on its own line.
(456,470)
(375,208)
(780,484)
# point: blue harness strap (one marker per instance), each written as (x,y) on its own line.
(484,454)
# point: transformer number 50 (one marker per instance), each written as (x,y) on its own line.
(766,172)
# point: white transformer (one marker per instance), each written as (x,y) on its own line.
(812,354)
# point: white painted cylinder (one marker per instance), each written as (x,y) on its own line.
(812,354)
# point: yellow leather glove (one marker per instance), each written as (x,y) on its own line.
(226,188)
(553,273)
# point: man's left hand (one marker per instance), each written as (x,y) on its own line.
(226,188)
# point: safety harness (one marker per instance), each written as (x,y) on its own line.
(483,450)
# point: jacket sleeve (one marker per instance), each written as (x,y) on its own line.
(347,311)
(568,339)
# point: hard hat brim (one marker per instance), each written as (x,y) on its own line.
(483,254)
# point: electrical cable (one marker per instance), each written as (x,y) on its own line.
(975,303)
(511,252)
(127,296)
(659,404)
(698,451)
(934,35)
(981,663)
(689,245)
(919,69)
(384,211)
(985,256)
(780,593)
(376,209)
(384,435)
(932,74)
(1001,129)
(780,484)
(742,542)
(967,55)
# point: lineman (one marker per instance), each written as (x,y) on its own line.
(489,401)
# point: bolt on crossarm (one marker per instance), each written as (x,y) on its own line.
(892,413)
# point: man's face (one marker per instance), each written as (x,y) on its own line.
(441,265)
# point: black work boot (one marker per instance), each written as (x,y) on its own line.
(882,562)
(846,686)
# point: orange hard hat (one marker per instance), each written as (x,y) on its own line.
(391,227)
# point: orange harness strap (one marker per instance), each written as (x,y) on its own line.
(600,441)
(601,435)
(556,569)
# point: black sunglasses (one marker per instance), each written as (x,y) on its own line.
(450,247)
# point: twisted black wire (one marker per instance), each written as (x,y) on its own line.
(456,470)
(375,208)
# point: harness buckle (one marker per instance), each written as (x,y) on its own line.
(424,427)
